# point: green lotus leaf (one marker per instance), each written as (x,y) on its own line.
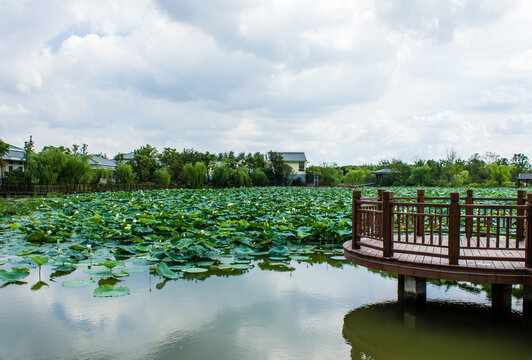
(13,275)
(339,258)
(40,260)
(164,271)
(111,291)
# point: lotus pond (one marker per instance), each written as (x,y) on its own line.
(236,274)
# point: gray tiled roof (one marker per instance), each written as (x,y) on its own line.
(294,156)
(14,153)
(525,176)
(383,171)
(98,161)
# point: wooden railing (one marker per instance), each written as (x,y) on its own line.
(462,228)
(8,190)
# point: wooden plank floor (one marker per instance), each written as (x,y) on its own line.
(415,251)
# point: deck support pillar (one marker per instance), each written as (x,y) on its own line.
(501,297)
(527,301)
(412,290)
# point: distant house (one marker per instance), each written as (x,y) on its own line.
(12,159)
(98,162)
(525,177)
(298,162)
(129,156)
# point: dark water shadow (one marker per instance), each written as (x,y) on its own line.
(440,330)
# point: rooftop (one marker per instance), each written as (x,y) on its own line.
(14,153)
(294,156)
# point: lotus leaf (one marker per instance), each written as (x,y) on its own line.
(164,271)
(111,291)
(13,275)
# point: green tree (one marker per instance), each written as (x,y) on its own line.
(355,176)
(419,175)
(162,176)
(460,179)
(221,175)
(478,172)
(331,175)
(241,177)
(29,148)
(195,174)
(101,175)
(174,161)
(499,173)
(76,170)
(520,163)
(259,178)
(16,177)
(144,163)
(124,174)
(46,167)
(4,148)
(279,171)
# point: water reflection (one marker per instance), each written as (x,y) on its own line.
(440,330)
(258,313)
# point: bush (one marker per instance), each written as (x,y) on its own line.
(195,174)
(259,178)
(297,182)
(16,177)
(162,176)
(124,174)
(221,175)
(241,177)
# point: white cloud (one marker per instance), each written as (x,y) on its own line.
(343,81)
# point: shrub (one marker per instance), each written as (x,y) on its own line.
(195,174)
(241,177)
(221,175)
(162,176)
(259,178)
(124,174)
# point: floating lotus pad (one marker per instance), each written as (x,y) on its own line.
(111,291)
(13,275)
(339,258)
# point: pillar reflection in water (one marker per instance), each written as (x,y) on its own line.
(439,330)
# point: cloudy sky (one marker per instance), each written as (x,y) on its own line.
(344,81)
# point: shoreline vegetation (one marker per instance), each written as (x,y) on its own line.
(193,169)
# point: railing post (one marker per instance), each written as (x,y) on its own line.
(387,224)
(356,219)
(420,218)
(528,244)
(520,223)
(454,229)
(469,211)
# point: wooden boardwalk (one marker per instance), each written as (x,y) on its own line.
(465,242)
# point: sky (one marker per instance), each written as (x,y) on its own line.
(346,82)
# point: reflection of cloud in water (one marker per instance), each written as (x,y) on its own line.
(261,315)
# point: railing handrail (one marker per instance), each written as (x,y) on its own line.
(486,224)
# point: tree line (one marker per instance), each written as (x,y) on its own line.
(70,166)
(489,169)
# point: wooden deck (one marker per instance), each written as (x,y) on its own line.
(469,239)
(432,262)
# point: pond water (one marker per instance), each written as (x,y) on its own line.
(316,311)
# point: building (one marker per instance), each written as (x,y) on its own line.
(298,162)
(12,159)
(98,162)
(524,177)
